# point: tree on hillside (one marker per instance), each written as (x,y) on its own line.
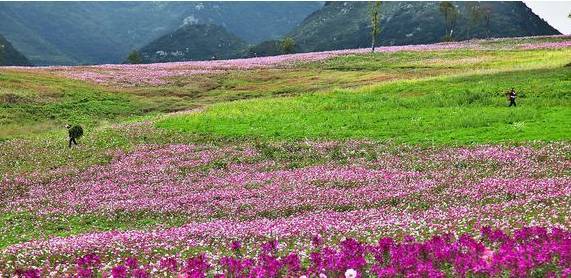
(1,54)
(288,45)
(474,16)
(375,28)
(134,57)
(486,14)
(450,15)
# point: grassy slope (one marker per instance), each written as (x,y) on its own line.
(465,108)
(34,103)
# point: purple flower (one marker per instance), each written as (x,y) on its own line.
(169,264)
(235,245)
(270,246)
(84,273)
(132,262)
(28,273)
(140,273)
(196,266)
(119,271)
(89,260)
(316,241)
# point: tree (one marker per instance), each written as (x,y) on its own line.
(134,57)
(375,28)
(1,54)
(450,15)
(486,15)
(288,45)
(474,16)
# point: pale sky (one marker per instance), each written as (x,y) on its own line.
(554,12)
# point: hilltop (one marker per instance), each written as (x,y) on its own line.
(194,42)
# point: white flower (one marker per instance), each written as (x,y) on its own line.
(350,273)
(302,276)
(321,275)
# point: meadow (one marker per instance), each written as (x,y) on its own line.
(402,162)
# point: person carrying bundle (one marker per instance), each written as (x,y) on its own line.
(511,96)
(74,132)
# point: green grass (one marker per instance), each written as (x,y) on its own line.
(448,110)
(36,103)
(430,63)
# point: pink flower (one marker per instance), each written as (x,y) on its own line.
(350,273)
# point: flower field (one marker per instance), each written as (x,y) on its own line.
(532,250)
(332,190)
(402,163)
(160,73)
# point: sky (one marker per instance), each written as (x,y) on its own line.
(554,12)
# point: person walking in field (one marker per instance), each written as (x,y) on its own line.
(511,97)
(74,132)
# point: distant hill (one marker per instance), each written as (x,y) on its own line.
(71,33)
(194,42)
(9,56)
(340,25)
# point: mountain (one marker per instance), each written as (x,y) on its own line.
(9,56)
(340,25)
(194,42)
(68,33)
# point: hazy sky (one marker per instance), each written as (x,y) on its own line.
(554,12)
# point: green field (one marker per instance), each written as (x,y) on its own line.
(465,105)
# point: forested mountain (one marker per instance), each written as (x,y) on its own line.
(340,25)
(9,56)
(105,32)
(194,42)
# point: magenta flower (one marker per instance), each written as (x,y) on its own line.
(169,264)
(28,273)
(235,245)
(119,271)
(131,263)
(316,241)
(140,273)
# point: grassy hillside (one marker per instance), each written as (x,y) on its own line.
(37,103)
(40,100)
(464,104)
